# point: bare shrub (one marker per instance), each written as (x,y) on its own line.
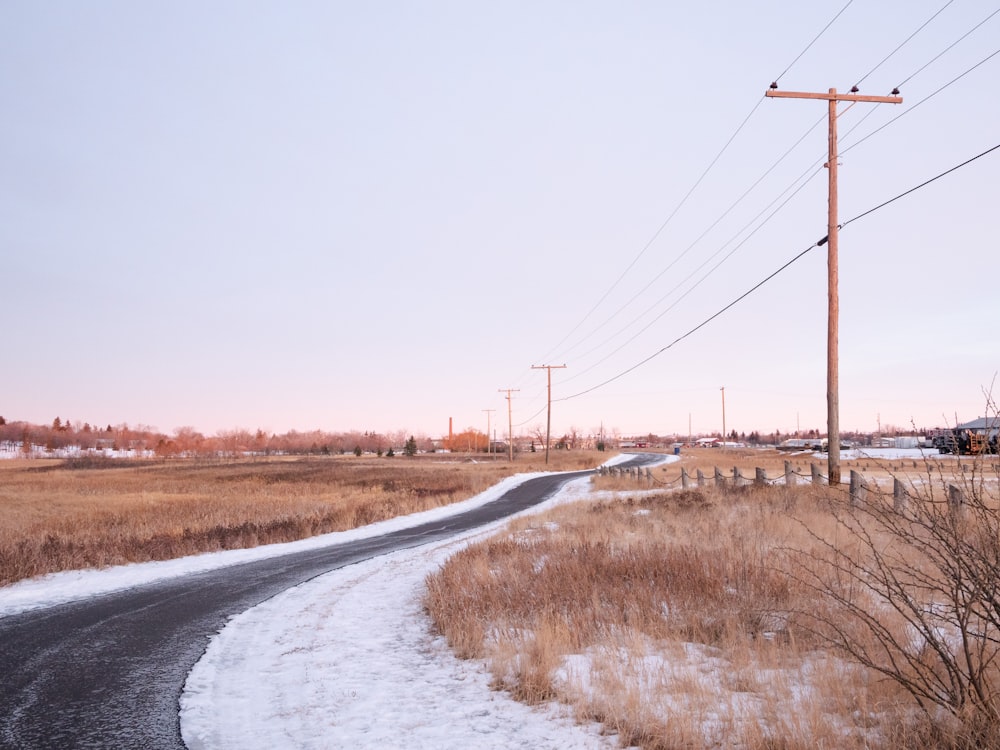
(910,591)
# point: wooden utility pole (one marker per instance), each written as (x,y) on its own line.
(548,420)
(723,389)
(833,311)
(510,422)
(489,444)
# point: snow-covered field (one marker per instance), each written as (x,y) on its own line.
(345,660)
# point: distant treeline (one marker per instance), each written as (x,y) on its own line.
(61,435)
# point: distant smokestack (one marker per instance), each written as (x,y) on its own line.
(450,433)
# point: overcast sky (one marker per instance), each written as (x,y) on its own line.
(376,215)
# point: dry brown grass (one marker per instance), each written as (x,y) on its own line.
(60,515)
(669,617)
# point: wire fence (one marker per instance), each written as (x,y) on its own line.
(857,488)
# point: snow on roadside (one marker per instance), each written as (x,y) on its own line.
(348,660)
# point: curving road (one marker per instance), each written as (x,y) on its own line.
(107,671)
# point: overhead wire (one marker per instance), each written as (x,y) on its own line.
(922,184)
(903,43)
(659,230)
(945,50)
(690,191)
(815,39)
(771,276)
(699,268)
(708,169)
(913,75)
(700,237)
(636,319)
(922,101)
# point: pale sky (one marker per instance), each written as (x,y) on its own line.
(333,215)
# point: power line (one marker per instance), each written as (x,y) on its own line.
(696,328)
(917,72)
(926,98)
(946,49)
(815,39)
(903,43)
(728,210)
(704,277)
(694,243)
(742,197)
(922,184)
(770,276)
(687,195)
(659,230)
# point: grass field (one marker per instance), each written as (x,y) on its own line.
(700,618)
(61,515)
(740,617)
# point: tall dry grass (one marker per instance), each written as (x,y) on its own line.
(61,515)
(671,617)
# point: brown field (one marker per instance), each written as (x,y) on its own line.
(62,515)
(712,617)
(677,619)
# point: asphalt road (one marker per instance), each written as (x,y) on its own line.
(107,671)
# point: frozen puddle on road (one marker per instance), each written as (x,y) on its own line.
(349,660)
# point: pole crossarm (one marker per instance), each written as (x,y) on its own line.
(832,95)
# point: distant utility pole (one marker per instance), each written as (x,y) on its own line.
(489,445)
(548,420)
(510,421)
(833,313)
(723,389)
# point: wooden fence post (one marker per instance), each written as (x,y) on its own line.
(859,490)
(900,497)
(790,476)
(701,478)
(760,480)
(956,500)
(685,479)
(720,481)
(817,478)
(737,477)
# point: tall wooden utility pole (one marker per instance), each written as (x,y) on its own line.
(548,420)
(833,313)
(510,422)
(489,444)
